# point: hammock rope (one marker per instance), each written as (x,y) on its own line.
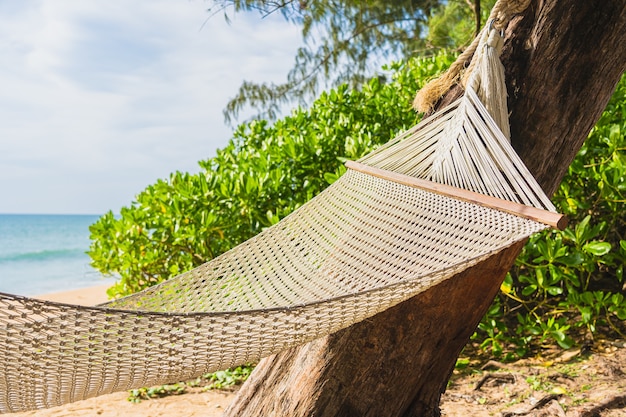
(379,235)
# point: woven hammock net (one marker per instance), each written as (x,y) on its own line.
(361,246)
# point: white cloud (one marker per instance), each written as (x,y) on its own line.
(99,99)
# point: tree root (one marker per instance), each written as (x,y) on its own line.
(502,378)
(492,365)
(615,402)
(541,403)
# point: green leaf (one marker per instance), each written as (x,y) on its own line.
(540,277)
(582,229)
(462,363)
(565,342)
(507,285)
(572,259)
(530,289)
(330,177)
(597,248)
(554,290)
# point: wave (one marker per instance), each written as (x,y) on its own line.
(42,255)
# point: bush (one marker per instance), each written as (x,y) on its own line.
(570,285)
(564,286)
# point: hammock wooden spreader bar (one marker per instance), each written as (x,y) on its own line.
(555,220)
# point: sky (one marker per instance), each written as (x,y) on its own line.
(100,99)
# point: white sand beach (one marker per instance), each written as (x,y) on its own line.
(85,296)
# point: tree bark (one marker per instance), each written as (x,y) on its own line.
(563,60)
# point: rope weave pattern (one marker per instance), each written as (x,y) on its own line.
(360,247)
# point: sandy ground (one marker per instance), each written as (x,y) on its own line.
(562,384)
(207,404)
(85,296)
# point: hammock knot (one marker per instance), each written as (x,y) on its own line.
(502,12)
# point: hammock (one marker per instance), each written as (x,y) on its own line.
(379,235)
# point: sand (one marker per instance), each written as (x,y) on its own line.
(89,296)
(207,404)
(194,403)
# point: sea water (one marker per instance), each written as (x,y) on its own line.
(41,254)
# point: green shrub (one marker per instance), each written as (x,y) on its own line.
(564,286)
(570,285)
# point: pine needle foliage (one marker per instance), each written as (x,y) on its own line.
(344,42)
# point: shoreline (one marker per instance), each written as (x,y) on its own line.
(88,296)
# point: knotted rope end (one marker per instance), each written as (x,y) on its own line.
(426,98)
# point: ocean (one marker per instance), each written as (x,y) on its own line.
(41,254)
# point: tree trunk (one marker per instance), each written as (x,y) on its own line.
(563,61)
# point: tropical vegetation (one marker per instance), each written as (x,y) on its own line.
(566,287)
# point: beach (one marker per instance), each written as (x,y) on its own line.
(193,403)
(89,296)
(205,404)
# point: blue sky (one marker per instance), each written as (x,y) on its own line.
(100,99)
